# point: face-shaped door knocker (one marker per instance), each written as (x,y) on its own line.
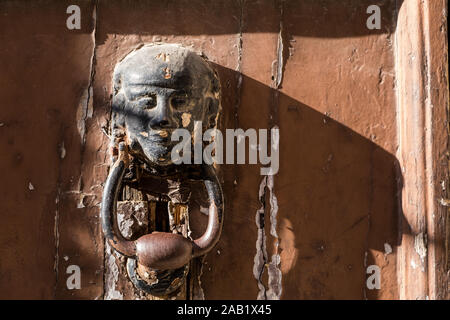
(157,89)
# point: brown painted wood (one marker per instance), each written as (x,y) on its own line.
(423,123)
(364,160)
(46,223)
(336,188)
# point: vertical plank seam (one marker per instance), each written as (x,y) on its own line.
(413,153)
(274,273)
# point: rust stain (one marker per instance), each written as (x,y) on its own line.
(163,133)
(167,74)
(186,119)
(163,56)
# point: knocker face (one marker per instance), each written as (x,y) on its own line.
(157,89)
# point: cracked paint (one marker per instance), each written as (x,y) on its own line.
(56,237)
(420,246)
(274,286)
(186,119)
(111,276)
(261,260)
(261,251)
(199,294)
(387,248)
(62,151)
(274,272)
(86,106)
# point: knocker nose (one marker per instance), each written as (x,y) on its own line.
(163,115)
(164,123)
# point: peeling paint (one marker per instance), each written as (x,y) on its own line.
(275,276)
(420,246)
(197,136)
(167,74)
(186,119)
(56,237)
(163,56)
(387,248)
(163,133)
(274,285)
(279,62)
(413,264)
(260,258)
(111,276)
(261,261)
(80,203)
(274,272)
(86,106)
(62,151)
(204,210)
(84,111)
(124,225)
(132,217)
(199,294)
(282,44)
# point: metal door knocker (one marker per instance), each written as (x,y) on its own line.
(157,89)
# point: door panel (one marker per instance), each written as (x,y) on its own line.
(362,117)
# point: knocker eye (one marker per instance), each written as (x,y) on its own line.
(179,101)
(148,101)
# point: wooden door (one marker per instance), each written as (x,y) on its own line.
(362,112)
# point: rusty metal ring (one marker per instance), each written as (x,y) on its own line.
(160,250)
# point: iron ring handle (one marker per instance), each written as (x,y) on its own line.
(160,250)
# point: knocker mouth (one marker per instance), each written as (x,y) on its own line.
(155,134)
(154,146)
(158,153)
(163,133)
(161,136)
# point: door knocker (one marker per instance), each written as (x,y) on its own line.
(158,89)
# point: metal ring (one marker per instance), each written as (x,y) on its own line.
(147,242)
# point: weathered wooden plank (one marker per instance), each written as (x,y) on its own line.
(209,28)
(40,96)
(421,69)
(336,188)
(247,221)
